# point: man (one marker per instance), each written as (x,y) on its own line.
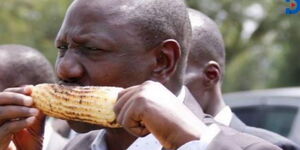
(21,65)
(204,76)
(124,44)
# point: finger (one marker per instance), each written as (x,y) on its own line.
(13,112)
(38,126)
(138,131)
(123,111)
(126,91)
(132,123)
(9,98)
(15,126)
(124,98)
(26,90)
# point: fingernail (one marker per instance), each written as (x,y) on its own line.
(33,111)
(30,120)
(28,101)
(28,89)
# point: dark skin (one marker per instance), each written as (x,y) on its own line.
(141,111)
(106,51)
(25,133)
(204,83)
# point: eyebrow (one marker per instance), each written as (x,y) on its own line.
(104,42)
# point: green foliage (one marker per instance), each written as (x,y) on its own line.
(266,57)
(32,22)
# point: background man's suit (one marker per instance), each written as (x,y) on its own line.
(272,137)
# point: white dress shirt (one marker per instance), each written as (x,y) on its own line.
(53,140)
(149,142)
(224,116)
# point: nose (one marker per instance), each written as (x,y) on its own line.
(69,68)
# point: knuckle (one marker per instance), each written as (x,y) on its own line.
(8,89)
(148,82)
(140,99)
(2,95)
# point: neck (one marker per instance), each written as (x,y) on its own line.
(215,106)
(174,87)
(214,102)
(120,136)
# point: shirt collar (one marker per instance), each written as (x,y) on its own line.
(224,116)
(181,94)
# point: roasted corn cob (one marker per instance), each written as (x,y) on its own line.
(88,104)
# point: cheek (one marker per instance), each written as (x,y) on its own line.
(121,73)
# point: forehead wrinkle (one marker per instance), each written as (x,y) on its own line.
(107,8)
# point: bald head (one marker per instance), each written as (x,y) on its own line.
(205,63)
(21,65)
(207,42)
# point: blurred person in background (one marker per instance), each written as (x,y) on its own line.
(204,76)
(21,65)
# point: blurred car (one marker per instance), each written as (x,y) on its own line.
(277,110)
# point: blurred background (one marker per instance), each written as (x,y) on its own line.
(261,40)
(262,44)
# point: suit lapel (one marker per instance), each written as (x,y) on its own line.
(194,106)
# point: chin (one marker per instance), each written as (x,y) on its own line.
(81,127)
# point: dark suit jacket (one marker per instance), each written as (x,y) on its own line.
(272,137)
(227,139)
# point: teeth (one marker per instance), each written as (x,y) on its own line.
(88,104)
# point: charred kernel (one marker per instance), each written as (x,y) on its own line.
(88,104)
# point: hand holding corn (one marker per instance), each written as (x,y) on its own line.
(20,125)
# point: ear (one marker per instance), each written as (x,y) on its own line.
(212,74)
(167,58)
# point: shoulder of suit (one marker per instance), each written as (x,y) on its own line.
(274,138)
(231,139)
(269,136)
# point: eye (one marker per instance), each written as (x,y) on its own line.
(62,50)
(62,47)
(93,49)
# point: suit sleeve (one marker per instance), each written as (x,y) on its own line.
(230,139)
(262,146)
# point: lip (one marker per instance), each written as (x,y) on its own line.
(69,83)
